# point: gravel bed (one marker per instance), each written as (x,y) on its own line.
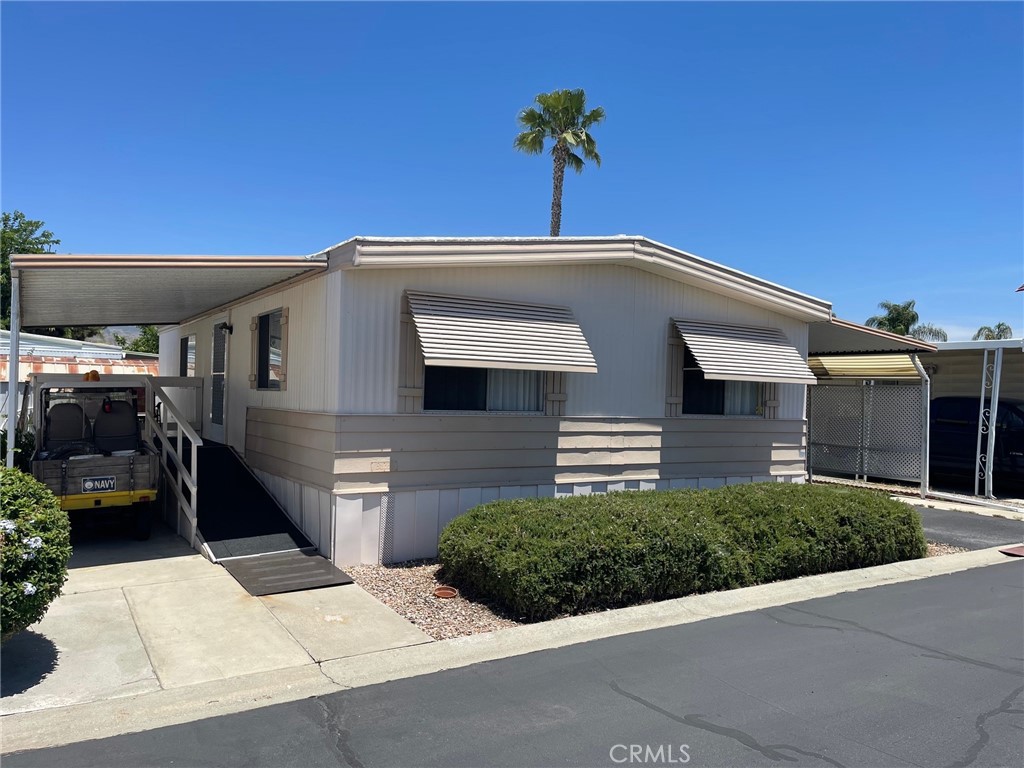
(935,549)
(408,590)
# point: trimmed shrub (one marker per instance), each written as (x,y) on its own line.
(540,558)
(35,538)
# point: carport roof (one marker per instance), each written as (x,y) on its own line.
(58,289)
(841,337)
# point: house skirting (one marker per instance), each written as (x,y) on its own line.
(395,526)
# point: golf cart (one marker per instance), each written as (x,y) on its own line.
(90,449)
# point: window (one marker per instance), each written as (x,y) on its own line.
(187,356)
(270,350)
(449,388)
(715,397)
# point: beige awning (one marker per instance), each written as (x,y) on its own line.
(744,353)
(863,367)
(474,332)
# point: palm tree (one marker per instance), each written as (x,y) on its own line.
(903,319)
(928,332)
(562,116)
(1000,331)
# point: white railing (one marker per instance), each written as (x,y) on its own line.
(171,429)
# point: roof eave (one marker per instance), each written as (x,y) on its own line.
(639,252)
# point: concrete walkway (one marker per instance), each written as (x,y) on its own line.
(136,618)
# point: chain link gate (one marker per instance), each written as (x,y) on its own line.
(867,430)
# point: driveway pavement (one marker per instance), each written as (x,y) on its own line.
(968,530)
(922,673)
(137,617)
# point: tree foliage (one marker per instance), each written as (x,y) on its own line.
(562,117)
(24,235)
(20,235)
(147,341)
(989,333)
(904,320)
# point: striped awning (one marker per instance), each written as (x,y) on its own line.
(472,332)
(863,367)
(744,353)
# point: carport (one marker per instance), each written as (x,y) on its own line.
(103,290)
(987,371)
(868,414)
(49,289)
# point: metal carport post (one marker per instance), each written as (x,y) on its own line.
(12,367)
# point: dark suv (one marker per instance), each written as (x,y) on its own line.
(954,438)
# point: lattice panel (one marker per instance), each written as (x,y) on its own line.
(893,432)
(873,429)
(835,418)
(387,527)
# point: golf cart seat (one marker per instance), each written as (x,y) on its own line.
(66,424)
(116,427)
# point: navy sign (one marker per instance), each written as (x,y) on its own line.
(99,484)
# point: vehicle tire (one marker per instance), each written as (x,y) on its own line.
(143,521)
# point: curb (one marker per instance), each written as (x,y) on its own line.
(970,509)
(111,717)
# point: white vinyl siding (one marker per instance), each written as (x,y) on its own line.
(624,312)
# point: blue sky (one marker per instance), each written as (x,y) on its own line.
(854,151)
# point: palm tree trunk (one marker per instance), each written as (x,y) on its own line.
(556,190)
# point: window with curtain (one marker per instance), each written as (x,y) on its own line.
(481,389)
(702,396)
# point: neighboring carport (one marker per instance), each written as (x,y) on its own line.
(988,372)
(49,289)
(868,415)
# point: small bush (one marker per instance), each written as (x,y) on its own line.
(35,538)
(539,558)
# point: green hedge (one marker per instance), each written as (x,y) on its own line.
(35,537)
(539,558)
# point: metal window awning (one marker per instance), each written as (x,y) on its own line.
(472,332)
(864,367)
(744,353)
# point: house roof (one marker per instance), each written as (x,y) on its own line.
(948,346)
(86,289)
(53,346)
(632,250)
(29,364)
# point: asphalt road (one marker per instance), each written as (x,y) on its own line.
(963,529)
(923,673)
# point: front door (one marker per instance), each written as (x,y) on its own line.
(218,382)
